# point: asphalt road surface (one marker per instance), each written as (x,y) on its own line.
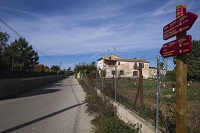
(55,108)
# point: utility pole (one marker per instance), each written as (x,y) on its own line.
(181,81)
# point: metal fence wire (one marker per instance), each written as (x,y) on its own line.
(126,90)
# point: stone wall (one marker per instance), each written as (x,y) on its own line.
(11,87)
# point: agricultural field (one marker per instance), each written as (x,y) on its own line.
(127,89)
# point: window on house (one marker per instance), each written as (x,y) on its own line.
(118,63)
(113,72)
(142,65)
(135,73)
(121,72)
(135,65)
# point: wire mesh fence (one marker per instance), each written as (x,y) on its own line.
(126,90)
(168,99)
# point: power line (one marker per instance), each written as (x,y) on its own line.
(10,28)
(19,35)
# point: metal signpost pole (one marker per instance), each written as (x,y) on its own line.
(181,81)
(157,93)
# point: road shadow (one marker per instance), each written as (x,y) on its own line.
(39,119)
(44,89)
(41,90)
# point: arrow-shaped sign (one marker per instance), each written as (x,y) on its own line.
(182,45)
(179,25)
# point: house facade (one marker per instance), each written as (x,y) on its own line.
(153,72)
(125,67)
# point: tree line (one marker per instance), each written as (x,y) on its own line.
(84,68)
(19,55)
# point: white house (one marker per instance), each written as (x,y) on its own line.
(153,72)
(126,67)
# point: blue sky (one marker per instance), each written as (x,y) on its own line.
(73,31)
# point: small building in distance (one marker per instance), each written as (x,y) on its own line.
(126,67)
(153,72)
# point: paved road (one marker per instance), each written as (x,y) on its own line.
(54,108)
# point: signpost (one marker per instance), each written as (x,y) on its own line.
(177,47)
(179,25)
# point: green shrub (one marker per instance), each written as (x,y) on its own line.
(106,120)
(106,123)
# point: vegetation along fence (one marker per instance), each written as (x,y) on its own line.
(127,91)
(139,94)
(153,97)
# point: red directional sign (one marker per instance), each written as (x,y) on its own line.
(179,25)
(182,45)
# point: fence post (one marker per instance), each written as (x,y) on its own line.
(13,68)
(113,74)
(141,87)
(116,82)
(97,77)
(157,92)
(102,78)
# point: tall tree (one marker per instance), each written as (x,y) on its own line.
(193,62)
(22,53)
(69,69)
(85,68)
(162,65)
(3,41)
(3,44)
(55,68)
(41,68)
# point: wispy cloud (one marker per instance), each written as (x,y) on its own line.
(170,6)
(23,12)
(164,9)
(91,27)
